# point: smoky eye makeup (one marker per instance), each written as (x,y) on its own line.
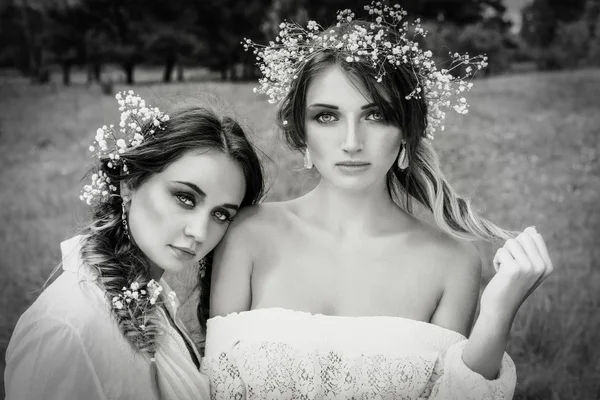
(223,215)
(185,199)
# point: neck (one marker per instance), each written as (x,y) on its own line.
(351,213)
(156,273)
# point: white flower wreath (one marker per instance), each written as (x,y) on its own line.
(383,41)
(135,116)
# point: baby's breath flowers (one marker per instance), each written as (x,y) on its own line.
(384,41)
(136,117)
(138,299)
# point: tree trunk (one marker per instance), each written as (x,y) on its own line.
(97,71)
(129,73)
(66,71)
(223,73)
(94,72)
(180,77)
(169,67)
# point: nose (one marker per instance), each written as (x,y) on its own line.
(352,141)
(196,227)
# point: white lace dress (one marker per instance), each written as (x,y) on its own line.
(283,354)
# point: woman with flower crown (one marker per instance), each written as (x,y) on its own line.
(162,197)
(342,293)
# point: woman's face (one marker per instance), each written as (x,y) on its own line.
(179,215)
(349,141)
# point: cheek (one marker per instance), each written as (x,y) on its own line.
(321,142)
(148,216)
(390,145)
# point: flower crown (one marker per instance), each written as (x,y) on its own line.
(280,61)
(135,116)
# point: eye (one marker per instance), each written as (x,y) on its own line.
(375,116)
(186,200)
(326,118)
(222,216)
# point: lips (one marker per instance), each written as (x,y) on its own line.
(184,252)
(353,164)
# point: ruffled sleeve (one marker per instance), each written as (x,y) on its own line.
(46,359)
(457,381)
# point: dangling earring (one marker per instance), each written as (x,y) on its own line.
(124,218)
(308,164)
(202,268)
(403,158)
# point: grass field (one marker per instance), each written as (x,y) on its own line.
(527,153)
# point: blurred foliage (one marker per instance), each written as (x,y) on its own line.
(561,35)
(38,34)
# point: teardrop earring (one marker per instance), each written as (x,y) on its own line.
(308,164)
(403,157)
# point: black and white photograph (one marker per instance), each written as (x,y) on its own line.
(300,199)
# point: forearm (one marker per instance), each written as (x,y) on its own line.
(487,344)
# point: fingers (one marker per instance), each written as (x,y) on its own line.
(542,249)
(503,257)
(530,248)
(530,253)
(517,251)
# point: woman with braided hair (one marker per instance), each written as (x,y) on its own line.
(342,293)
(162,197)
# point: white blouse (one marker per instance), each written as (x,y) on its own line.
(277,353)
(67,345)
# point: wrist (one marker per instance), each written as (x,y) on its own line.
(499,320)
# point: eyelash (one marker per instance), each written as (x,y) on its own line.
(228,217)
(381,118)
(184,197)
(318,117)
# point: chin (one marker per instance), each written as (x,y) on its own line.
(353,185)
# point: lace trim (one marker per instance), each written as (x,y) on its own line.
(277,370)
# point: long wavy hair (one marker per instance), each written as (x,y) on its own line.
(106,247)
(423,180)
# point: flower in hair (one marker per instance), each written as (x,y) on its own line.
(384,41)
(134,296)
(138,122)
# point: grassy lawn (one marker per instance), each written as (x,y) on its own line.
(527,153)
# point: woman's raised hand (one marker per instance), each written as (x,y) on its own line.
(521,266)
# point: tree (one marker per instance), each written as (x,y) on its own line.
(542,17)
(65,36)
(22,37)
(174,37)
(224,24)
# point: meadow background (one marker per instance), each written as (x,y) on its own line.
(527,153)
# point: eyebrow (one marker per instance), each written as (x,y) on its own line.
(201,193)
(365,107)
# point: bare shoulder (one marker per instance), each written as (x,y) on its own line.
(257,217)
(253,225)
(459,265)
(457,257)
